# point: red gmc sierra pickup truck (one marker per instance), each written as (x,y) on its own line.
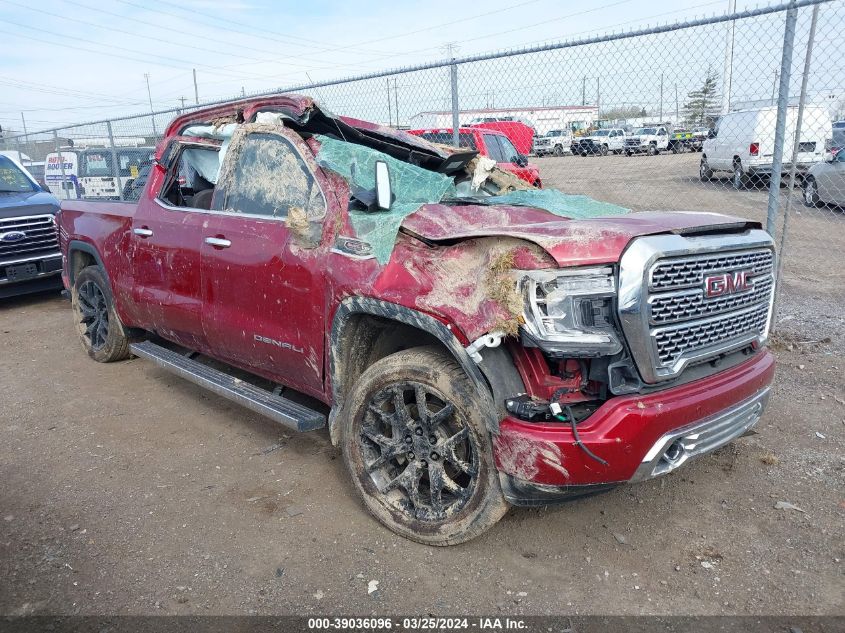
(470,342)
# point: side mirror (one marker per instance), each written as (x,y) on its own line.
(521,160)
(711,133)
(384,194)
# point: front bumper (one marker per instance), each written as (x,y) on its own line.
(47,277)
(638,436)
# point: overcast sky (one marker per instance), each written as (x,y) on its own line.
(82,60)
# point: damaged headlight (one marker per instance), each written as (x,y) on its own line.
(570,312)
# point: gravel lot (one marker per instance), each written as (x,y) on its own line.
(128,490)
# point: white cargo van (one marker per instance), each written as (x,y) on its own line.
(61,173)
(101,179)
(743,143)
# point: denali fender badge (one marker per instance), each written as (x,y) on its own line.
(727,283)
(274,342)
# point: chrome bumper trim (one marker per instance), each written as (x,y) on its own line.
(699,438)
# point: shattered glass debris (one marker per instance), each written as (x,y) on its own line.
(412,187)
(561,204)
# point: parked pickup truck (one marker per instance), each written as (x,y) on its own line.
(466,350)
(609,140)
(29,247)
(647,140)
(487,142)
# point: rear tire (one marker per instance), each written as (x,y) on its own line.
(102,334)
(426,473)
(740,179)
(705,174)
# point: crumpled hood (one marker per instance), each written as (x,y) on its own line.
(27,203)
(598,240)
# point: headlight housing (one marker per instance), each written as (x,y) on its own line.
(570,312)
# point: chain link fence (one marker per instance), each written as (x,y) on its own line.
(739,114)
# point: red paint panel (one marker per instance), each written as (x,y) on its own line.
(623,429)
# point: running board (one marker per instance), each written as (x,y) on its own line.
(286,412)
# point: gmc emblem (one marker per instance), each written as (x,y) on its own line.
(727,283)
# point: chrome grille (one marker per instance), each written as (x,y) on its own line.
(673,342)
(672,321)
(689,322)
(39,237)
(690,304)
(689,271)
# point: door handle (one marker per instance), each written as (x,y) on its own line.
(143,232)
(218,242)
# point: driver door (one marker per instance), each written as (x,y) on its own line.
(264,308)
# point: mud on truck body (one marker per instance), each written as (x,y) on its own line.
(470,342)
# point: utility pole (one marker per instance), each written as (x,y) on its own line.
(660,118)
(677,107)
(584,92)
(25,135)
(730,27)
(182,99)
(598,97)
(150,97)
(396,98)
(243,91)
(196,90)
(389,107)
(775,87)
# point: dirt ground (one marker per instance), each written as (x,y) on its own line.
(127,490)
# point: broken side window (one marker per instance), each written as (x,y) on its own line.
(269,178)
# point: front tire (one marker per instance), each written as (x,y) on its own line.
(652,150)
(102,334)
(416,445)
(604,150)
(558,150)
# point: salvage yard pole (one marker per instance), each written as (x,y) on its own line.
(455,118)
(115,164)
(389,107)
(64,194)
(796,142)
(780,125)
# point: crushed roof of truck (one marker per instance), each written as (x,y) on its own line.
(422,173)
